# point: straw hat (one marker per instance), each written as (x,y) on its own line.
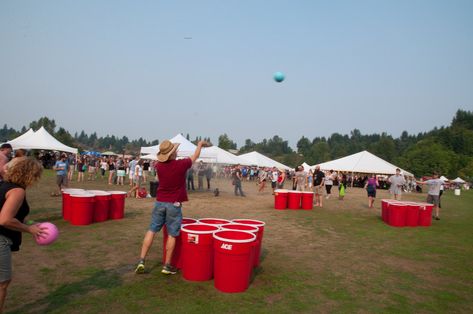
(166,148)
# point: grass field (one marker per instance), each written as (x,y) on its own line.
(340,258)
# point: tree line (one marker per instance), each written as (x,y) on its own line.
(448,150)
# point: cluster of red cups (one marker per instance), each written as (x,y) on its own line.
(224,250)
(83,207)
(406,214)
(289,199)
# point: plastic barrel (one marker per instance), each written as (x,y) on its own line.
(247,228)
(232,259)
(397,214)
(385,210)
(425,214)
(412,214)
(294,199)
(102,205)
(82,209)
(280,199)
(197,251)
(117,204)
(259,236)
(66,202)
(176,259)
(214,221)
(307,200)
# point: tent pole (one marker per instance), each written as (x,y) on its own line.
(352,179)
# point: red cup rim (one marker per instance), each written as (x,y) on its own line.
(252,238)
(84,195)
(226,227)
(257,223)
(99,192)
(224,221)
(187,226)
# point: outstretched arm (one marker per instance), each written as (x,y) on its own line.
(198,150)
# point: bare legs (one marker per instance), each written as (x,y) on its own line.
(3,293)
(148,241)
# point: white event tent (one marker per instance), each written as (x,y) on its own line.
(22,137)
(362,162)
(185,149)
(459,180)
(260,160)
(215,154)
(443,178)
(40,139)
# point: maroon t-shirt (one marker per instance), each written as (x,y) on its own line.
(172,180)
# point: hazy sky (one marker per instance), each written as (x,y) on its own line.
(127,67)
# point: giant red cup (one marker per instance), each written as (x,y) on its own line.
(259,236)
(232,260)
(176,260)
(117,204)
(197,251)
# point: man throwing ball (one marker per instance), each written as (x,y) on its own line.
(168,206)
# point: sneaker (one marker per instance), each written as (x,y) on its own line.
(169,270)
(437,218)
(140,268)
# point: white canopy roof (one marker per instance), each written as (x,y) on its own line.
(150,157)
(443,178)
(186,148)
(41,139)
(218,155)
(362,162)
(459,180)
(307,167)
(22,137)
(260,160)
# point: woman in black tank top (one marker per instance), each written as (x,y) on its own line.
(13,210)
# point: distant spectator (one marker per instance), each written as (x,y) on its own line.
(61,174)
(111,170)
(120,171)
(329,183)
(237,177)
(200,175)
(208,175)
(5,155)
(262,177)
(190,179)
(91,168)
(281,179)
(274,175)
(318,179)
(397,182)
(342,187)
(370,186)
(71,163)
(103,167)
(81,167)
(300,179)
(146,165)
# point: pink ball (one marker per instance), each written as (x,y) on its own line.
(50,233)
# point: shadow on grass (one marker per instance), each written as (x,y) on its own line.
(67,293)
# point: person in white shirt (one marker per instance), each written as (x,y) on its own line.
(397,182)
(433,195)
(274,174)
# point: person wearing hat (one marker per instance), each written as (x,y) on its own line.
(169,197)
(5,154)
